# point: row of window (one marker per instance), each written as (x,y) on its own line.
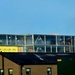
(50,49)
(37,39)
(10,71)
(53,40)
(28,71)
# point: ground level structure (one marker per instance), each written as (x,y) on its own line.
(37,64)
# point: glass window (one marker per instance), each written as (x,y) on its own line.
(38,39)
(72,40)
(53,49)
(10,71)
(29,48)
(71,49)
(20,40)
(49,71)
(39,49)
(28,71)
(67,49)
(51,40)
(28,39)
(60,49)
(1,71)
(48,49)
(11,40)
(60,40)
(67,40)
(2,39)
(74,49)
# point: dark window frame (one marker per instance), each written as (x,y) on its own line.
(2,39)
(9,71)
(39,49)
(51,40)
(39,39)
(20,40)
(28,72)
(1,73)
(11,39)
(49,72)
(60,49)
(48,49)
(60,40)
(28,39)
(53,49)
(68,40)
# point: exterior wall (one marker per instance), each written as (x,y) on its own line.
(9,64)
(35,69)
(0,61)
(39,69)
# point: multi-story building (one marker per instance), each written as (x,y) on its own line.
(37,43)
(37,54)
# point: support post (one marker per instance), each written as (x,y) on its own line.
(21,69)
(2,64)
(2,70)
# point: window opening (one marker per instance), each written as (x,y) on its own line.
(1,71)
(49,71)
(10,71)
(28,71)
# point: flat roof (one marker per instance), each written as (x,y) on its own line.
(24,58)
(40,34)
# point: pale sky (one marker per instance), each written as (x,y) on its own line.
(37,17)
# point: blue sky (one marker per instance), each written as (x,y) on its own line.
(37,17)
